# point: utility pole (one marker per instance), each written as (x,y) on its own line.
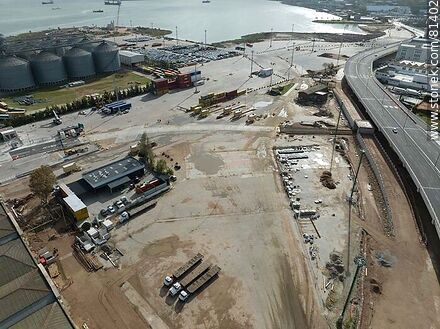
(205,37)
(177,37)
(291,35)
(350,202)
(271,36)
(195,70)
(340,45)
(339,52)
(334,138)
(360,262)
(291,61)
(271,76)
(252,63)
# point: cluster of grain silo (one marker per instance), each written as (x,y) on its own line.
(81,61)
(15,74)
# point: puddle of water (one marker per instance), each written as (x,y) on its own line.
(207,163)
(261,104)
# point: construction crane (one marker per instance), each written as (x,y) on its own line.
(56,119)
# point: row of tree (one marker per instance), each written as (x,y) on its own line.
(80,104)
(147,156)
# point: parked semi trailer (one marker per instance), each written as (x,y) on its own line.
(181,271)
(187,280)
(128,214)
(184,294)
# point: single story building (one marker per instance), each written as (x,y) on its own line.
(315,94)
(114,175)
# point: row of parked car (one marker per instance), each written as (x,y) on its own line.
(117,206)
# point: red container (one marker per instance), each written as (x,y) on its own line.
(160,83)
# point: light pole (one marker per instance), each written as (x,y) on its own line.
(291,35)
(360,262)
(291,61)
(271,36)
(350,202)
(252,63)
(177,37)
(195,70)
(205,37)
(334,138)
(271,75)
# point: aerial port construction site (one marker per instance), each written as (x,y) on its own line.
(282,180)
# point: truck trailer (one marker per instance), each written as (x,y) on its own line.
(213,271)
(181,271)
(187,280)
(115,107)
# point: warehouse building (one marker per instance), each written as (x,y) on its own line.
(414,50)
(26,298)
(114,175)
(130,58)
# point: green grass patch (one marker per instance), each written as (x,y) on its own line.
(57,95)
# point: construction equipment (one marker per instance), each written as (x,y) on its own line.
(213,271)
(181,271)
(88,261)
(56,120)
(70,168)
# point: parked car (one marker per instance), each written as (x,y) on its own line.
(104,212)
(111,209)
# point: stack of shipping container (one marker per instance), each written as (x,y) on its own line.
(212,98)
(162,86)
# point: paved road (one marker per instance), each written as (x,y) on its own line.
(415,149)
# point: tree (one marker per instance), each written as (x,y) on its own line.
(161,166)
(41,182)
(146,152)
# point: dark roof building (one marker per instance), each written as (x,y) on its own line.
(114,174)
(315,94)
(26,299)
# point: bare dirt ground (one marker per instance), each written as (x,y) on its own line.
(409,291)
(228,204)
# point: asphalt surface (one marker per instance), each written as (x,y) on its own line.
(418,153)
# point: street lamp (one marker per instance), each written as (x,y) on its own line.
(252,63)
(360,263)
(350,202)
(334,137)
(271,36)
(291,61)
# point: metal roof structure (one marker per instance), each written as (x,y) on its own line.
(74,202)
(114,171)
(26,299)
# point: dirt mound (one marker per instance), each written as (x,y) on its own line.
(327,180)
(335,266)
(375,286)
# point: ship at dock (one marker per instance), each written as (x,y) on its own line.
(112,2)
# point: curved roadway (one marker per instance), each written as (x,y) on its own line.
(411,142)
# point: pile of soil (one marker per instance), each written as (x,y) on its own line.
(335,266)
(327,180)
